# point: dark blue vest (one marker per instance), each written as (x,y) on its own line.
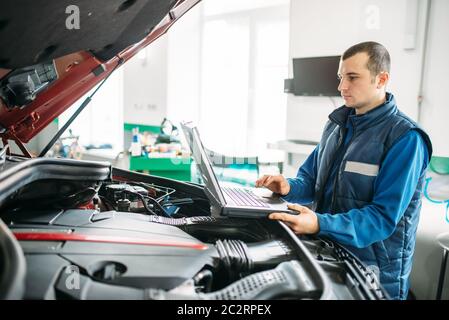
(373,136)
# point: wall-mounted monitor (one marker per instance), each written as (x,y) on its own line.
(316,76)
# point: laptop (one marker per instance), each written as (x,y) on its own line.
(231,201)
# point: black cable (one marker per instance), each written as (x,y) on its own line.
(107,203)
(145,204)
(142,198)
(159,206)
(168,191)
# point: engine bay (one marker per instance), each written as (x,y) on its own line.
(135,236)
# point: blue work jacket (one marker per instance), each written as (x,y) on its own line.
(364,180)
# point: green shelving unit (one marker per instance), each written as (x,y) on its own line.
(173,168)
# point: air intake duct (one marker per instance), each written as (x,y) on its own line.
(237,257)
(288,280)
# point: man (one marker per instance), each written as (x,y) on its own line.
(364,180)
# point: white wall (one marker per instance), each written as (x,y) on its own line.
(435,108)
(166,83)
(428,254)
(184,57)
(434,116)
(327,27)
(145,85)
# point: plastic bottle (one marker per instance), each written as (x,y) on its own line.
(136,147)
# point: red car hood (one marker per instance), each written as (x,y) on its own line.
(35,31)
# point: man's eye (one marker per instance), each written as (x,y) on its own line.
(352,78)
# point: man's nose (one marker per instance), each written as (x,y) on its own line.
(342,85)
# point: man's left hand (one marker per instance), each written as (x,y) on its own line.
(306,222)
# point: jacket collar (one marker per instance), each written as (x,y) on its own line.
(369,119)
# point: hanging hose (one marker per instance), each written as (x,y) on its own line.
(436,201)
(234,257)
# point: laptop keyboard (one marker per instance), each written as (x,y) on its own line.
(244,197)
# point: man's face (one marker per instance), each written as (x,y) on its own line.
(358,87)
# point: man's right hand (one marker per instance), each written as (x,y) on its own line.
(277,184)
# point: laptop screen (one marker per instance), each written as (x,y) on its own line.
(203,163)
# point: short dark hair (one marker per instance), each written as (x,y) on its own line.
(379,58)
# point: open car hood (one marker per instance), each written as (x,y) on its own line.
(49,59)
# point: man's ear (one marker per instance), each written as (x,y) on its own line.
(382,79)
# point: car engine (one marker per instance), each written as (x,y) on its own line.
(88,231)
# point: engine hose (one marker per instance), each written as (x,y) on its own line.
(204,278)
(288,279)
(234,257)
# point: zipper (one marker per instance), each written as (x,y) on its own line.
(340,141)
(334,193)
